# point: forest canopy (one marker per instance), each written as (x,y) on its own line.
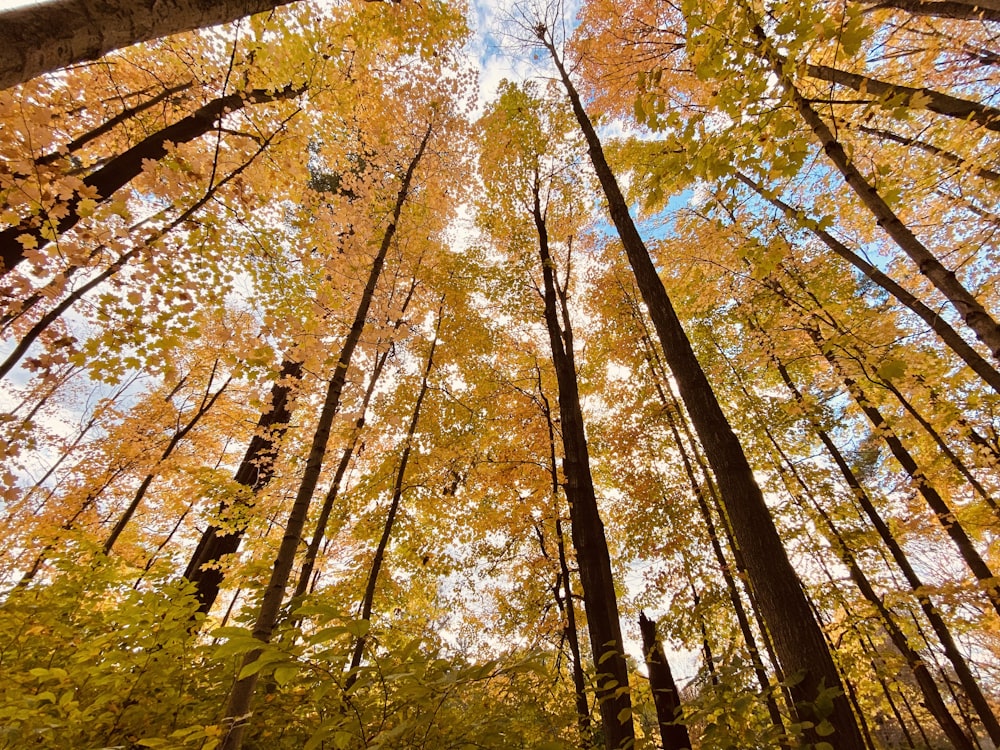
(642,395)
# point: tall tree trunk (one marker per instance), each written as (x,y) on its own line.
(968,307)
(125,167)
(255,471)
(368,599)
(941,630)
(938,505)
(312,551)
(797,636)
(932,318)
(962,10)
(589,541)
(666,697)
(928,688)
(569,605)
(241,696)
(206,403)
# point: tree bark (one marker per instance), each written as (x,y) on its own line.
(237,711)
(962,10)
(38,39)
(666,698)
(589,540)
(583,719)
(797,636)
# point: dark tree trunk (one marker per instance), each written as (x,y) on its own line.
(237,710)
(589,541)
(126,166)
(962,10)
(255,472)
(568,605)
(666,698)
(390,518)
(797,636)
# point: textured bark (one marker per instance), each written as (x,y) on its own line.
(934,101)
(666,698)
(797,636)
(237,712)
(962,10)
(255,472)
(583,719)
(126,166)
(968,307)
(589,540)
(38,39)
(934,321)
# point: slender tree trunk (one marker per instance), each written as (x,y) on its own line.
(241,696)
(933,319)
(666,697)
(589,541)
(255,472)
(579,682)
(944,514)
(734,596)
(963,164)
(397,496)
(206,403)
(796,633)
(968,307)
(312,551)
(125,167)
(941,630)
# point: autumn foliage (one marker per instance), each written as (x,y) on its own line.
(348,402)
